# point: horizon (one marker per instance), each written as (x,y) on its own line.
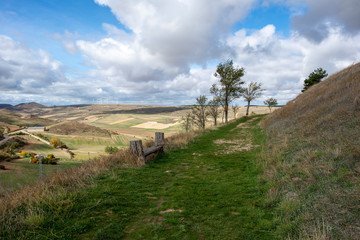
(165,53)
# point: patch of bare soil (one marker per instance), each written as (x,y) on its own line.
(231,146)
(154,125)
(170,210)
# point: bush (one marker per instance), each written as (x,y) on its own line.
(6,157)
(55,142)
(50,159)
(111,150)
(13,144)
(23,154)
(42,136)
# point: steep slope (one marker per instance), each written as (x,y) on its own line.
(314,158)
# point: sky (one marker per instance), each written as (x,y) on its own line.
(165,52)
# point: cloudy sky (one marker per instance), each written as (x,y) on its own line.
(165,52)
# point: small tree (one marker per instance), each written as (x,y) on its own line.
(55,142)
(214,110)
(230,84)
(200,112)
(270,102)
(250,93)
(315,77)
(235,109)
(187,121)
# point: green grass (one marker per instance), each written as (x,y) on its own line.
(212,194)
(21,173)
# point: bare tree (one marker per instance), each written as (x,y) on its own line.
(252,92)
(214,110)
(235,109)
(200,112)
(187,121)
(230,84)
(270,102)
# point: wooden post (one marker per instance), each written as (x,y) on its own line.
(137,153)
(159,139)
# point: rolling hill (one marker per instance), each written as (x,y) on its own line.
(77,128)
(26,106)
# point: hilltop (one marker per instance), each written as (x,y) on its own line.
(77,128)
(26,106)
(5,106)
(313,158)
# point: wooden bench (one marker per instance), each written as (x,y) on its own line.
(139,155)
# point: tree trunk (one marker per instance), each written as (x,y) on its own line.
(226,114)
(247,110)
(215,121)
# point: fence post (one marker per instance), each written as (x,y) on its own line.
(159,139)
(137,152)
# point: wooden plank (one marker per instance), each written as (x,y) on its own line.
(137,152)
(152,149)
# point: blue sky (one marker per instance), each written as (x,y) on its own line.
(165,52)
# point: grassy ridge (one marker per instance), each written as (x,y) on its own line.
(208,190)
(312,160)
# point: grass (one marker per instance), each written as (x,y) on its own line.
(312,160)
(207,190)
(21,173)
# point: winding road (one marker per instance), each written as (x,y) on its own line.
(10,135)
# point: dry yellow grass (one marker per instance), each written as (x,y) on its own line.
(314,155)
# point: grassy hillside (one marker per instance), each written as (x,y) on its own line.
(313,159)
(12,118)
(77,128)
(209,189)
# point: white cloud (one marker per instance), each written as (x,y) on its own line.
(282,64)
(25,70)
(321,16)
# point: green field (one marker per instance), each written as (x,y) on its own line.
(82,146)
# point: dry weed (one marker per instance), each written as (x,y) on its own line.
(313,151)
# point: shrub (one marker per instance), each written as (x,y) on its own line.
(50,159)
(23,154)
(111,150)
(55,142)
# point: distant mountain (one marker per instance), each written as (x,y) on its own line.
(25,106)
(5,106)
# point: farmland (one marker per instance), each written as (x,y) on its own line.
(86,130)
